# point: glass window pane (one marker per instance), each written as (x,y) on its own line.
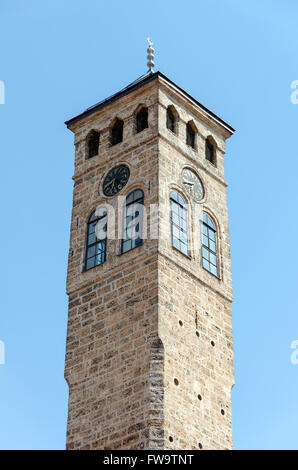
(92,217)
(205,240)
(212,246)
(91,239)
(133,220)
(184,225)
(179,222)
(211,234)
(183,248)
(99,259)
(138,194)
(91,252)
(213,269)
(126,246)
(90,263)
(205,264)
(129,199)
(181,200)
(175,218)
(174,196)
(91,228)
(94,246)
(183,237)
(176,243)
(213,259)
(175,207)
(176,232)
(205,253)
(137,242)
(100,247)
(210,223)
(183,214)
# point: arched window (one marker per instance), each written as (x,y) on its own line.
(117,132)
(171,120)
(92,144)
(179,222)
(190,135)
(142,119)
(96,239)
(210,151)
(133,220)
(209,248)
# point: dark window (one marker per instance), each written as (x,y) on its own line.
(96,240)
(142,120)
(171,120)
(117,132)
(133,220)
(210,152)
(179,222)
(209,248)
(190,135)
(93,143)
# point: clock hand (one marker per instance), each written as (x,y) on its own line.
(188,182)
(108,184)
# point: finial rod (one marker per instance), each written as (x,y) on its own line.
(150,56)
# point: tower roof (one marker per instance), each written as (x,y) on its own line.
(139,82)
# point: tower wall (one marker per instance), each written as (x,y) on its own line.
(191,295)
(113,353)
(125,345)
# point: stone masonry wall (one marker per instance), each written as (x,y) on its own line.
(147,317)
(194,306)
(112,355)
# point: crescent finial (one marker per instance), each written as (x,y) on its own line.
(150,55)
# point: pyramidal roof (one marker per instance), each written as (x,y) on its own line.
(139,82)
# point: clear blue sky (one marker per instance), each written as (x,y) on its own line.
(236,57)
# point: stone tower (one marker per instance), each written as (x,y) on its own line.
(149,356)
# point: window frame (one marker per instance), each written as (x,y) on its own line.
(177,199)
(96,242)
(209,226)
(140,200)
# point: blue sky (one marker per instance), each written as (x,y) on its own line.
(237,58)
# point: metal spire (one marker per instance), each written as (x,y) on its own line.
(150,56)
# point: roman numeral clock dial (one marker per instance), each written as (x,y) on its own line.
(115,180)
(192,184)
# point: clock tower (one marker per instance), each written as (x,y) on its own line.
(149,356)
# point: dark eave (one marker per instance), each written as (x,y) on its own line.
(144,79)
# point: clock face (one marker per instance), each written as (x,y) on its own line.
(115,180)
(192,184)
